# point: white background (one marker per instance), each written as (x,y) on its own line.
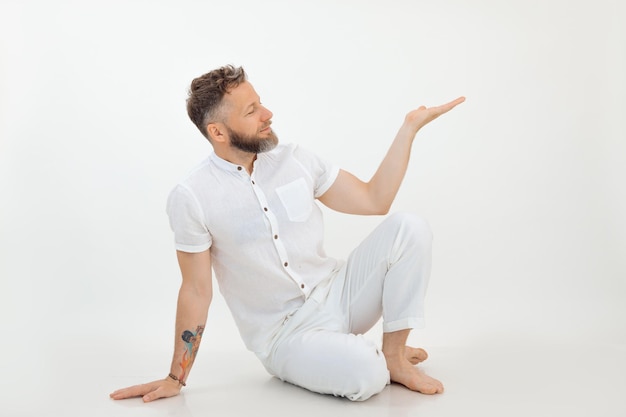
(523,184)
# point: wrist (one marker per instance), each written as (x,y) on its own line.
(177,380)
(407,132)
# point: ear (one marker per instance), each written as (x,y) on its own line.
(217,132)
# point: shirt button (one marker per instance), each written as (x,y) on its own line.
(239,168)
(286,263)
(275,236)
(264,208)
(253,182)
(302,286)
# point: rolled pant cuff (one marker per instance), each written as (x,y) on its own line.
(403,324)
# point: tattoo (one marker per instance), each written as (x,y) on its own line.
(192,344)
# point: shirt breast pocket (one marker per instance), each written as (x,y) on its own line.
(297,200)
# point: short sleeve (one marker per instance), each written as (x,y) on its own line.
(187,221)
(323,172)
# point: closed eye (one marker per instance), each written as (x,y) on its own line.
(251,110)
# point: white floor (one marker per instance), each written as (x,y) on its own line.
(66,378)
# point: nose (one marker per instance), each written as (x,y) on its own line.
(267,114)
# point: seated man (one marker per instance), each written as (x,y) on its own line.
(248,212)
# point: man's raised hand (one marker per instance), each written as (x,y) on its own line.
(420,117)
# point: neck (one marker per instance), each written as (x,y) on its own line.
(237,157)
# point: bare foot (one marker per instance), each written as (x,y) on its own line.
(415,355)
(403,372)
(400,360)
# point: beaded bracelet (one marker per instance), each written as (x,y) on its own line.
(175,378)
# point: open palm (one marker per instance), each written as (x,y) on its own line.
(420,117)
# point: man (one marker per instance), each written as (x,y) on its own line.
(248,212)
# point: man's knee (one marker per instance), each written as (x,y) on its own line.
(411,222)
(369,375)
(344,365)
(411,231)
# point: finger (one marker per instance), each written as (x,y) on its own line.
(449,106)
(152,395)
(453,103)
(160,392)
(444,108)
(458,100)
(123,394)
(129,392)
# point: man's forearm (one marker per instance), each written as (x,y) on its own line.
(348,194)
(191,315)
(385,183)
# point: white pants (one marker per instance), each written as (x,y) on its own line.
(321,347)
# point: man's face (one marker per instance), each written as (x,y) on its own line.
(248,121)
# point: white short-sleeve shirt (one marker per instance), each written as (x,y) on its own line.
(265,233)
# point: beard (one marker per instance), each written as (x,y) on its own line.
(252,143)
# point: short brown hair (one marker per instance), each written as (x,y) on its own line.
(206,93)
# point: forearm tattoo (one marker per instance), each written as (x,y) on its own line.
(192,343)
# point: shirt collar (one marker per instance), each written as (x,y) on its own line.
(230,167)
(224,164)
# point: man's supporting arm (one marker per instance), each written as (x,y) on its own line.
(349,194)
(194,298)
